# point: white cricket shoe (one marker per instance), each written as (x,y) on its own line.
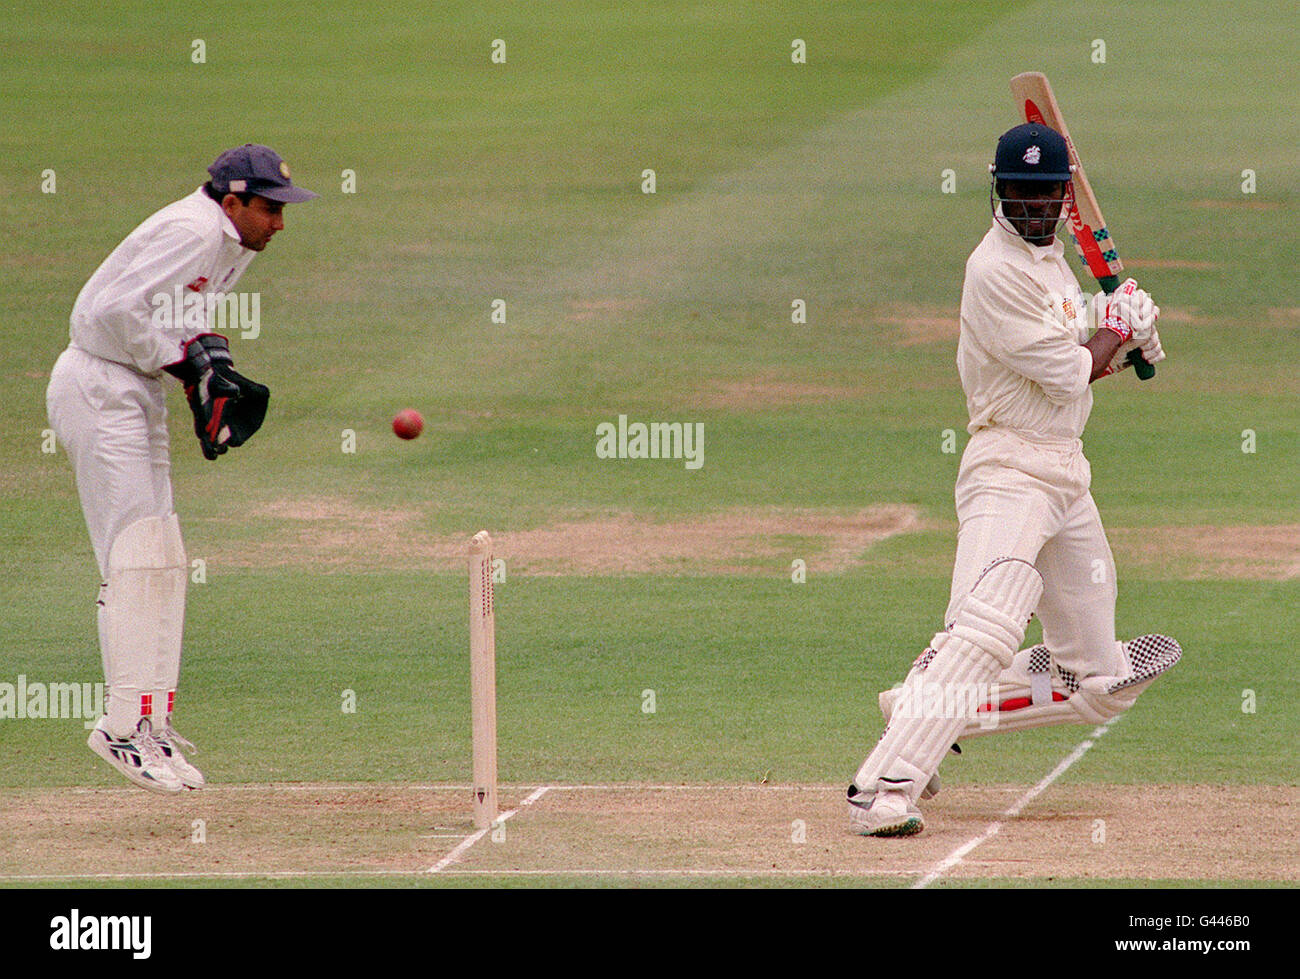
(171,743)
(138,756)
(886,813)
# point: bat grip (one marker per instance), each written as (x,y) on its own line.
(1141,368)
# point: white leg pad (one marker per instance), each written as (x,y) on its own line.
(1035,692)
(1032,680)
(141,620)
(988,627)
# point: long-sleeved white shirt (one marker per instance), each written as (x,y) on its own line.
(1020,353)
(189,247)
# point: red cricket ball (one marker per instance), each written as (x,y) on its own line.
(408,424)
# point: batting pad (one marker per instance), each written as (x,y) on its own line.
(1036,692)
(141,619)
(936,702)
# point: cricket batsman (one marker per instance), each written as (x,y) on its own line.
(1029,539)
(106,404)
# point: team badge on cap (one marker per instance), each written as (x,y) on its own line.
(1032,156)
(256,169)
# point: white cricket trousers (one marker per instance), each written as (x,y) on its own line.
(1031,500)
(112,422)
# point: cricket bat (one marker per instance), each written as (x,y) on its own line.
(1036,103)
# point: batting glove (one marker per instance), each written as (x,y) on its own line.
(1135,310)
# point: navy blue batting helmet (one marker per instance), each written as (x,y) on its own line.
(1031,152)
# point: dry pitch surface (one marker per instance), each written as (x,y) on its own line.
(1085,832)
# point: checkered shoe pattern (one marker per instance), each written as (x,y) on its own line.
(1150,656)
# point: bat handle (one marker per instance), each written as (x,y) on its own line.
(1141,368)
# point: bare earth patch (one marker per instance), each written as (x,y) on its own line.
(329,533)
(1287,316)
(1158,831)
(334,534)
(581,310)
(731,542)
(1238,204)
(899,324)
(1151,832)
(915,325)
(243,830)
(1203,832)
(1184,317)
(326,533)
(766,391)
(1168,263)
(1270,553)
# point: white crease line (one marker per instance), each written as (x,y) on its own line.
(757,872)
(959,854)
(470,840)
(680,872)
(187,874)
(699,787)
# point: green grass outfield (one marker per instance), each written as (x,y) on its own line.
(522,182)
(752,677)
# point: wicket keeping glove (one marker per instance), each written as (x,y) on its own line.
(228,408)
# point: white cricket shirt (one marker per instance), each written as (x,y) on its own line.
(1020,353)
(124,312)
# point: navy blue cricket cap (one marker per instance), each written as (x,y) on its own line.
(259,170)
(1032,151)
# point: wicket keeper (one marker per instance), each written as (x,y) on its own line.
(106,404)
